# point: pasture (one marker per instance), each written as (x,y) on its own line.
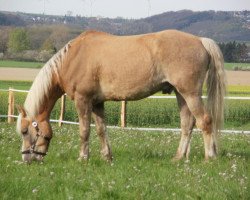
(20,64)
(162,113)
(142,168)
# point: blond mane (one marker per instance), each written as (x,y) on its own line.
(43,82)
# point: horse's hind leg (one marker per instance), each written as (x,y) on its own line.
(98,114)
(84,109)
(203,122)
(187,124)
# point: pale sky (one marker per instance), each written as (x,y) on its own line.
(119,8)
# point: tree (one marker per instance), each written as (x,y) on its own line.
(49,46)
(18,40)
(242,52)
(234,52)
(4,35)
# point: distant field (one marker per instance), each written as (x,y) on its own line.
(230,66)
(20,64)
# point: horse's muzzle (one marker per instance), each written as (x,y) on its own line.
(28,158)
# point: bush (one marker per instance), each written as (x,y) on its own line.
(29,55)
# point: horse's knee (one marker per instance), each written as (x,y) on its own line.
(205,124)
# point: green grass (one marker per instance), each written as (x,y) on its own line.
(162,113)
(230,66)
(142,168)
(20,64)
(144,113)
(21,85)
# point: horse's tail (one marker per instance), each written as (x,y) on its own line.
(216,85)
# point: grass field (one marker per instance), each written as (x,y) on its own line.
(231,66)
(21,64)
(21,85)
(142,168)
(162,113)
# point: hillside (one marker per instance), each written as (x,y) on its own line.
(221,26)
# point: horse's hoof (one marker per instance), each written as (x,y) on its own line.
(108,158)
(176,159)
(83,159)
(209,158)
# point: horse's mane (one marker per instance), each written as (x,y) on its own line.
(43,82)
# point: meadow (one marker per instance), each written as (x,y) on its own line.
(163,113)
(20,64)
(142,168)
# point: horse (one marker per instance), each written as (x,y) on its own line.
(96,67)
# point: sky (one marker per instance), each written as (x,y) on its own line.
(118,8)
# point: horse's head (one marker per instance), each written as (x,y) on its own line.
(36,136)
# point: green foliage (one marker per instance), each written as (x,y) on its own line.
(49,46)
(142,168)
(234,52)
(18,40)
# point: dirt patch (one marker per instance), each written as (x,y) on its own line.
(18,74)
(24,74)
(238,77)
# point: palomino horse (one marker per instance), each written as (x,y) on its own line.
(96,67)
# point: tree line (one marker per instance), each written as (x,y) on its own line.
(40,43)
(234,51)
(35,43)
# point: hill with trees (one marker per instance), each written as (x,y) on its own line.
(48,33)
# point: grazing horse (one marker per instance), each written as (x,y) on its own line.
(96,67)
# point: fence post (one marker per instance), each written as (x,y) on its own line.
(11,107)
(63,99)
(123,114)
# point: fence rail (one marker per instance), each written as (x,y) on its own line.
(123,113)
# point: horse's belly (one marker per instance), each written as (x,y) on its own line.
(130,92)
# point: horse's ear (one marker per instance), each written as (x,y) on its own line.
(21,110)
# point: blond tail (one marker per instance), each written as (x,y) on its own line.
(216,85)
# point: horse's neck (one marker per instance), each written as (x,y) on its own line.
(40,101)
(49,103)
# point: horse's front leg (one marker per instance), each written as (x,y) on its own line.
(98,114)
(84,109)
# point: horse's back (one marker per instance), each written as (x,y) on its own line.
(129,67)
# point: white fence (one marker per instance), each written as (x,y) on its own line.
(10,115)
